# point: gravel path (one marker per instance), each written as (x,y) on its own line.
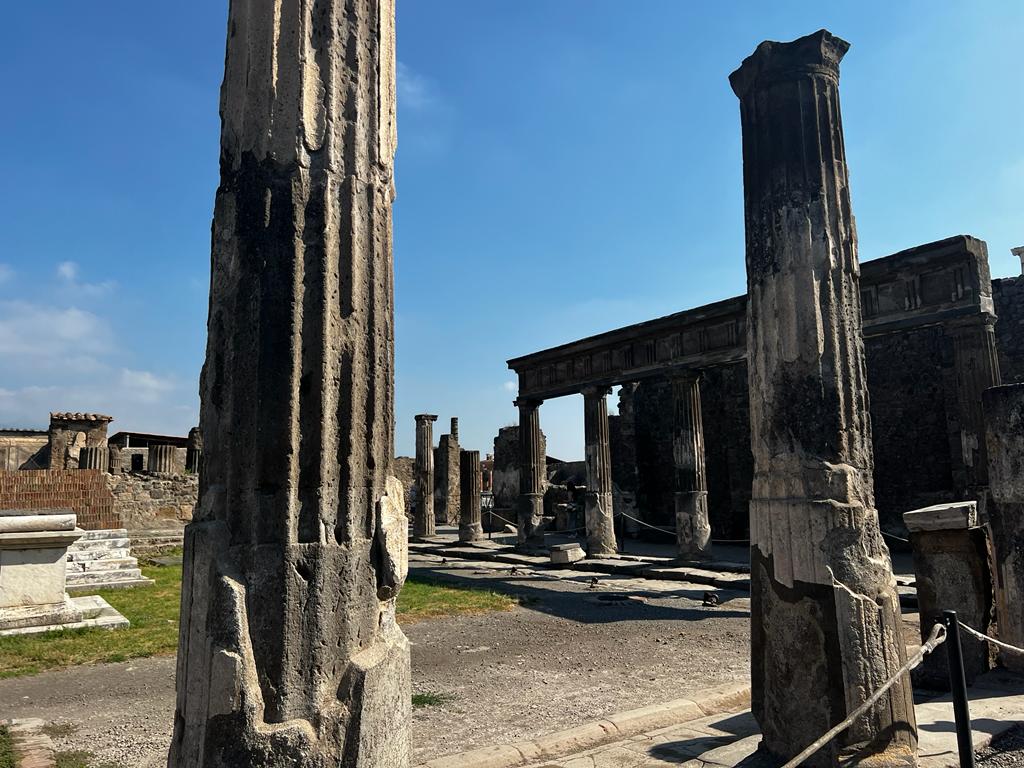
(570,654)
(1006,751)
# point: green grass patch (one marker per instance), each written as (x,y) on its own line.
(153,613)
(6,749)
(421,599)
(431,699)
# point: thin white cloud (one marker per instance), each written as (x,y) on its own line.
(415,91)
(68,272)
(33,331)
(509,386)
(144,386)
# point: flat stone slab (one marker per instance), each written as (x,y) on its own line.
(95,612)
(957,516)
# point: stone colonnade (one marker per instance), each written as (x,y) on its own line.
(297,409)
(691,509)
(423,523)
(825,618)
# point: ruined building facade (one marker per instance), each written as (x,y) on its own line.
(938,330)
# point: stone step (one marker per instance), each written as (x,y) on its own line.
(95,578)
(115,582)
(99,554)
(87,545)
(111,533)
(99,566)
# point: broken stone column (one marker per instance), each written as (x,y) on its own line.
(446,477)
(693,531)
(194,451)
(470,524)
(825,620)
(600,519)
(289,651)
(1004,437)
(532,475)
(952,574)
(114,460)
(94,457)
(423,522)
(1019,253)
(161,459)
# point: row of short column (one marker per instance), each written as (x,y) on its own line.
(693,531)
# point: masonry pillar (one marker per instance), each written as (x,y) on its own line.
(532,475)
(289,651)
(1004,433)
(94,457)
(1019,253)
(693,531)
(194,451)
(470,524)
(976,364)
(600,518)
(952,573)
(161,459)
(825,620)
(423,522)
(114,460)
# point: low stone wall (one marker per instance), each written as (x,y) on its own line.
(148,502)
(83,491)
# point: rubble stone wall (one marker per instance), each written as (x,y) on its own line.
(147,502)
(83,491)
(1008,295)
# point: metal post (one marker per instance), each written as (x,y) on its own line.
(958,687)
(622,534)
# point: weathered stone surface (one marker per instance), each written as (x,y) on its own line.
(194,451)
(470,523)
(952,573)
(114,460)
(446,477)
(35,522)
(161,459)
(1004,426)
(693,531)
(289,654)
(94,457)
(423,520)
(148,502)
(507,477)
(532,475)
(567,553)
(70,432)
(824,612)
(600,520)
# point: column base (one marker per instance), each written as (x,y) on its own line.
(530,531)
(470,533)
(693,531)
(600,525)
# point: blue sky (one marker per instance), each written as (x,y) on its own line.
(565,167)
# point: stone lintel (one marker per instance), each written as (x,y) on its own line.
(20,512)
(955,516)
(31,523)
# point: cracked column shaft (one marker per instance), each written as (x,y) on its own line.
(532,475)
(470,524)
(423,523)
(600,519)
(825,619)
(693,531)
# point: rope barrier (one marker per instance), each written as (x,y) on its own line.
(648,525)
(998,643)
(504,520)
(935,639)
(895,537)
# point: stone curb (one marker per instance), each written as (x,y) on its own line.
(32,747)
(732,697)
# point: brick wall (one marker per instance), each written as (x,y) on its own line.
(83,491)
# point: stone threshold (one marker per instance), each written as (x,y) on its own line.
(32,747)
(729,698)
(95,611)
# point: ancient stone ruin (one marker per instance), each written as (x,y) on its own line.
(424,523)
(289,650)
(825,618)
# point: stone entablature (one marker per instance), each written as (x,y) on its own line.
(944,282)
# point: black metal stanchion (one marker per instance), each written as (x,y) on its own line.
(958,687)
(622,534)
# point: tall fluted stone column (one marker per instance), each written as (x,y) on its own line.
(194,451)
(423,523)
(600,519)
(532,475)
(470,523)
(94,457)
(825,620)
(1004,432)
(161,459)
(693,531)
(289,651)
(976,362)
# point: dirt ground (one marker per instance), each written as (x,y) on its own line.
(571,653)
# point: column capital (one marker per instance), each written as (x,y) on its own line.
(426,417)
(815,54)
(527,402)
(596,390)
(684,373)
